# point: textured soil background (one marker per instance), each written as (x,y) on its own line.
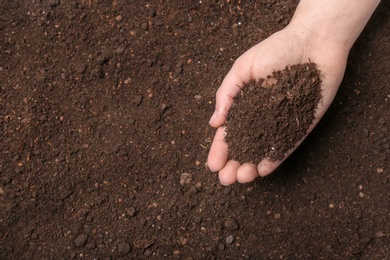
(104,106)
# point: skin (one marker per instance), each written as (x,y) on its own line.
(322,31)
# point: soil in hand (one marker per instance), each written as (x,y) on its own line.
(271,115)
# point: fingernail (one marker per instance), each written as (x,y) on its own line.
(212,170)
(224,184)
(213,116)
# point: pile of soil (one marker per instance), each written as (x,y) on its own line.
(104,109)
(269,116)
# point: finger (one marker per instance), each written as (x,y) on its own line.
(238,75)
(228,174)
(224,98)
(266,166)
(218,154)
(247,173)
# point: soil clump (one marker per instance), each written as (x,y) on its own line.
(269,116)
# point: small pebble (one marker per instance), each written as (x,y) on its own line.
(277,216)
(379,234)
(144,26)
(119,18)
(124,248)
(81,240)
(131,212)
(185,178)
(229,239)
(178,70)
(53,3)
(80,68)
(159,22)
(198,97)
(148,252)
(152,12)
(231,224)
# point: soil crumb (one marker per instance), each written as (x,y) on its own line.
(269,116)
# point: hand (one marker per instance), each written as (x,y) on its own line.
(292,45)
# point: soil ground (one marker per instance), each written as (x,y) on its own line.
(104,107)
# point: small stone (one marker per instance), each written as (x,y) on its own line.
(119,18)
(178,70)
(53,3)
(148,252)
(152,12)
(119,51)
(154,81)
(97,72)
(185,178)
(227,190)
(379,234)
(164,107)
(144,26)
(278,230)
(231,224)
(80,68)
(131,121)
(34,235)
(81,240)
(222,201)
(103,58)
(379,170)
(277,216)
(137,100)
(91,245)
(159,22)
(229,239)
(124,248)
(198,185)
(131,212)
(42,118)
(166,68)
(198,97)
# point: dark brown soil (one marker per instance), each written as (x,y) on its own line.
(269,116)
(104,138)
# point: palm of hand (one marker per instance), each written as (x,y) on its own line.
(287,47)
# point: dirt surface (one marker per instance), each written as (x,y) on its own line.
(269,116)
(104,138)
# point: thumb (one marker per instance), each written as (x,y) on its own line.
(231,85)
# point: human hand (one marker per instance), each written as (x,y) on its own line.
(292,45)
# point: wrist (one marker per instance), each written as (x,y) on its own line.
(332,23)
